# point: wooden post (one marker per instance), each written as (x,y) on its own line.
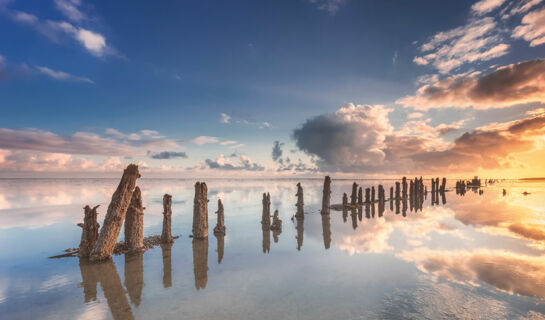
(397,190)
(166,235)
(391,193)
(373,194)
(444,185)
(326,195)
(220,226)
(200,211)
(266,215)
(134,222)
(367,195)
(360,196)
(404,184)
(89,232)
(105,244)
(345,200)
(300,202)
(354,196)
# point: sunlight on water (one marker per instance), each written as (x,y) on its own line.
(471,256)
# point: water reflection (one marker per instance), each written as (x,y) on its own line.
(200,262)
(220,245)
(300,227)
(326,230)
(134,276)
(166,253)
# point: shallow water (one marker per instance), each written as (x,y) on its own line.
(476,256)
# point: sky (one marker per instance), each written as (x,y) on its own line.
(283,88)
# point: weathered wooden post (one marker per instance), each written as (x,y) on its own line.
(360,196)
(404,184)
(89,232)
(300,202)
(219,229)
(166,235)
(373,194)
(105,244)
(354,196)
(345,200)
(200,211)
(397,190)
(134,222)
(266,215)
(326,195)
(367,195)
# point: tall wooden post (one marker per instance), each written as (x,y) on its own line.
(200,211)
(166,235)
(89,232)
(326,195)
(219,229)
(134,222)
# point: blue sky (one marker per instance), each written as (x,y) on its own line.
(110,69)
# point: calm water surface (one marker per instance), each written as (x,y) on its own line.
(475,257)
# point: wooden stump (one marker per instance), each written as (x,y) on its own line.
(354,195)
(300,201)
(166,235)
(104,246)
(404,185)
(200,211)
(219,229)
(360,196)
(326,195)
(266,215)
(345,200)
(367,195)
(89,232)
(134,222)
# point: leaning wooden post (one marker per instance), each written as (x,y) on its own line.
(166,235)
(104,246)
(266,215)
(134,222)
(326,195)
(89,233)
(354,195)
(220,226)
(200,211)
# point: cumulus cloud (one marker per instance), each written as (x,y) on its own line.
(476,41)
(508,272)
(200,140)
(532,28)
(61,75)
(486,6)
(223,163)
(509,85)
(167,155)
(225,118)
(331,6)
(361,139)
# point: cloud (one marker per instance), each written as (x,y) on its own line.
(331,6)
(508,272)
(476,41)
(524,6)
(486,6)
(84,143)
(361,139)
(509,85)
(532,28)
(228,142)
(204,140)
(70,9)
(224,118)
(93,42)
(277,151)
(415,115)
(167,155)
(61,75)
(223,163)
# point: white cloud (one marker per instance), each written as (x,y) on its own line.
(204,140)
(532,28)
(331,6)
(94,42)
(61,75)
(225,118)
(486,6)
(70,9)
(223,163)
(228,142)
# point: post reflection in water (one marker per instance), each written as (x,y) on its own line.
(373,210)
(404,207)
(326,230)
(367,211)
(166,250)
(354,216)
(200,262)
(110,282)
(360,212)
(134,276)
(266,243)
(220,245)
(300,231)
(345,214)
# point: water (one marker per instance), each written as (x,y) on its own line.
(475,257)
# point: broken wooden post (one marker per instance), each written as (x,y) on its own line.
(105,244)
(367,195)
(134,222)
(300,202)
(200,211)
(345,200)
(200,262)
(360,196)
(326,195)
(354,195)
(266,215)
(89,232)
(219,229)
(166,235)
